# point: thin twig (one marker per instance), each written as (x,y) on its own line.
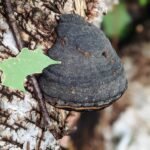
(40,99)
(12,23)
(40,140)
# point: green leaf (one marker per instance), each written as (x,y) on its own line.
(15,69)
(116,21)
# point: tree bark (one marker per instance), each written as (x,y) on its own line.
(33,23)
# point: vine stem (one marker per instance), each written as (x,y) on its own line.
(12,23)
(40,99)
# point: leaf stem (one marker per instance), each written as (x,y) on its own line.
(40,99)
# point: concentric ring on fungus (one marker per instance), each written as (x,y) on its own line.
(91,75)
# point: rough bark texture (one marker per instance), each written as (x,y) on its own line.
(21,123)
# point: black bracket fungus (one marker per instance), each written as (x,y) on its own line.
(91,75)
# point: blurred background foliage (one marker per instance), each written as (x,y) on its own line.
(115,23)
(122,22)
(125,125)
(143,2)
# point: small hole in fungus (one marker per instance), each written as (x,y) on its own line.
(104,54)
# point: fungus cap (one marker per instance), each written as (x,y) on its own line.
(90,76)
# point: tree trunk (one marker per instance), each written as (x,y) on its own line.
(33,23)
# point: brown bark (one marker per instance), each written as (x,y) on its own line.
(29,24)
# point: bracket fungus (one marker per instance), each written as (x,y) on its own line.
(90,76)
